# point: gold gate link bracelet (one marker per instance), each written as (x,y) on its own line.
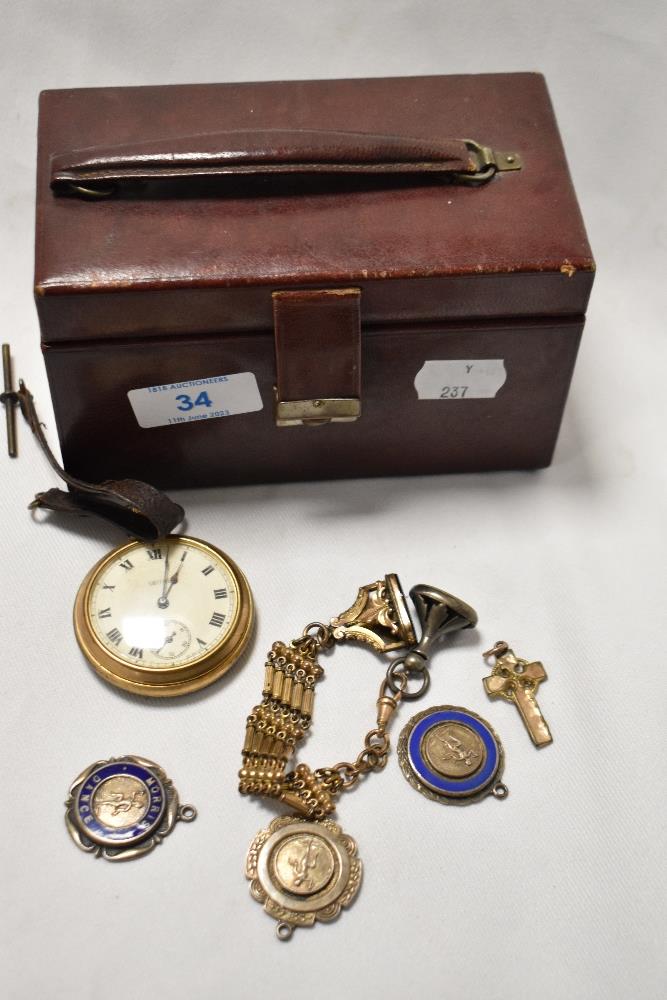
(303,868)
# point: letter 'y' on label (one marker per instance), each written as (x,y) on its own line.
(460,379)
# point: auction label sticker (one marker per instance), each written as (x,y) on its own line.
(479,379)
(196,399)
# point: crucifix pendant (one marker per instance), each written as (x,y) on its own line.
(517,680)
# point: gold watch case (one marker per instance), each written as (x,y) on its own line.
(174,680)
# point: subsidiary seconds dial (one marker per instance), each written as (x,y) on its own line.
(163,618)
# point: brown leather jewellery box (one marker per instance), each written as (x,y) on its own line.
(270,281)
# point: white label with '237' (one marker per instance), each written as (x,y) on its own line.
(472,379)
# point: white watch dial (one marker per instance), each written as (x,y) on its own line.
(163,605)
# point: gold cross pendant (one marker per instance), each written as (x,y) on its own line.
(517,680)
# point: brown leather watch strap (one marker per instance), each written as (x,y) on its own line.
(318,348)
(135,506)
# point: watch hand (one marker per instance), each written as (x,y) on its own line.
(162,601)
(174,578)
(168,639)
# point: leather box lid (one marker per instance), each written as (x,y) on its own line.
(419,249)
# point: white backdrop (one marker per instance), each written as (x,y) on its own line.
(558,891)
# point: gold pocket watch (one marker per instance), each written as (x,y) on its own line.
(163,618)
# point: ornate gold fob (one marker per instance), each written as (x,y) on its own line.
(303,868)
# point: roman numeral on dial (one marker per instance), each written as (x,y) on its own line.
(217,619)
(207,570)
(115,636)
(137,653)
(154,553)
(220,594)
(104,613)
(127,564)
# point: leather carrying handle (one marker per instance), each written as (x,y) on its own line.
(101,171)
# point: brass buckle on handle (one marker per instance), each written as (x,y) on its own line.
(490,163)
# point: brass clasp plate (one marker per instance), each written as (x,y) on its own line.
(316,412)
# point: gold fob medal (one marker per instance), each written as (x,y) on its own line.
(163,618)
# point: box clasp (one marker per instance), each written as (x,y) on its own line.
(318,357)
(316,412)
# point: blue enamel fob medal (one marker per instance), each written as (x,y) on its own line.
(452,755)
(121,808)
